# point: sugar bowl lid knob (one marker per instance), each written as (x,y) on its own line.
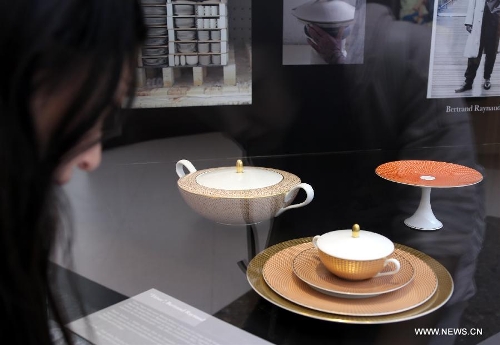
(355,230)
(239,166)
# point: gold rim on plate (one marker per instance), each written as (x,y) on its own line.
(440,297)
(308,267)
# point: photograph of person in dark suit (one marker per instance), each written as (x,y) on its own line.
(482,26)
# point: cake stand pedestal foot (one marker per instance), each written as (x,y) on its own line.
(423,218)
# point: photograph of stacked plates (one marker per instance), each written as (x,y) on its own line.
(216,59)
(155,41)
(203,47)
(184,22)
(155,21)
(153,2)
(154,61)
(215,47)
(152,32)
(215,35)
(186,35)
(184,10)
(204,60)
(155,49)
(203,35)
(186,47)
(350,276)
(153,11)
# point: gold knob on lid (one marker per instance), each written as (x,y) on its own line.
(355,230)
(239,166)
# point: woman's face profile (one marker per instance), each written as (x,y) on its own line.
(88,160)
(48,109)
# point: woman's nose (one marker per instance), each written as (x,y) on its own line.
(90,159)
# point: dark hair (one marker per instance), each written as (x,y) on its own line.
(45,46)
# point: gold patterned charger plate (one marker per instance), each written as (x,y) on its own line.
(308,267)
(278,274)
(423,173)
(440,297)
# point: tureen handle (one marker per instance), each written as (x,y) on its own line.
(184,163)
(289,196)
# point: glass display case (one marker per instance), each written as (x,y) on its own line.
(140,224)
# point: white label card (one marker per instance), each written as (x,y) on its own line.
(153,317)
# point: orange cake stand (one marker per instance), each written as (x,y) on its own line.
(427,175)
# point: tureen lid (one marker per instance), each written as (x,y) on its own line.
(325,11)
(355,244)
(238,182)
(239,178)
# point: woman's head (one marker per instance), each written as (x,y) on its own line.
(48,108)
(67,66)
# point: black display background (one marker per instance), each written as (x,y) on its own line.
(307,110)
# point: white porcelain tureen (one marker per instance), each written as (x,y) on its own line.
(240,195)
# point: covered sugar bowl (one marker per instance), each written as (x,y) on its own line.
(355,254)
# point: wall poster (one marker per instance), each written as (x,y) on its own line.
(323,32)
(197,53)
(464,49)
